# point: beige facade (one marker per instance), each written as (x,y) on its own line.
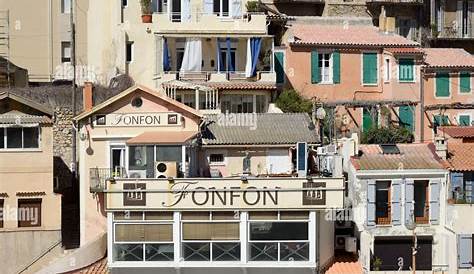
(39,36)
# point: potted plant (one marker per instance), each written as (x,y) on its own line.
(253,6)
(146,11)
(377,264)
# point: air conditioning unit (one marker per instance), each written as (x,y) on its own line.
(166,169)
(137,174)
(340,243)
(321,151)
(351,244)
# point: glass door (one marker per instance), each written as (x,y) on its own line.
(117,161)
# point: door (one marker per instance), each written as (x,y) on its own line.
(117,161)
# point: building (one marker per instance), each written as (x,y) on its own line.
(36,37)
(30,210)
(397,192)
(147,160)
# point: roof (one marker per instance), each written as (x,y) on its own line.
(412,156)
(339,35)
(460,157)
(27,102)
(131,90)
(263,129)
(397,51)
(161,137)
(231,85)
(458,131)
(448,58)
(20,118)
(99,267)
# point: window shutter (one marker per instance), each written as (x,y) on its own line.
(279,67)
(236,8)
(464,120)
(336,67)
(315,74)
(371,203)
(405,70)
(435,187)
(468,191)
(369,68)
(409,200)
(465,251)
(208,6)
(405,114)
(465,82)
(396,205)
(442,85)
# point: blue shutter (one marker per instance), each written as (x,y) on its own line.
(396,202)
(409,200)
(468,191)
(465,251)
(371,203)
(435,187)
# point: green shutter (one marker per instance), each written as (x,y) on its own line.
(464,120)
(465,82)
(369,68)
(406,70)
(279,67)
(442,84)
(367,120)
(441,120)
(315,74)
(336,67)
(405,114)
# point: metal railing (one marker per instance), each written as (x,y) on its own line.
(196,16)
(99,177)
(204,76)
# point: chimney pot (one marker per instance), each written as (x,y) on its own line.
(87,96)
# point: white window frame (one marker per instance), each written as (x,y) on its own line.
(415,70)
(450,86)
(458,117)
(5,149)
(224,154)
(362,69)
(387,70)
(221,6)
(470,81)
(330,68)
(66,9)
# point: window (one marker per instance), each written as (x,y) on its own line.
(221,7)
(382,202)
(179,57)
(216,158)
(66,6)
(441,120)
(19,138)
(100,120)
(406,27)
(29,213)
(137,102)
(187,99)
(464,21)
(369,68)
(465,82)
(387,70)
(406,115)
(2,213)
(461,187)
(168,154)
(278,236)
(237,103)
(406,70)
(465,250)
(421,202)
(464,120)
(124,3)
(129,52)
(395,253)
(325,67)
(369,118)
(279,58)
(442,85)
(65,51)
(224,65)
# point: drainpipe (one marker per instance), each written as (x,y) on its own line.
(422,104)
(318,236)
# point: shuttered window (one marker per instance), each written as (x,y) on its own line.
(464,120)
(144,233)
(279,67)
(409,199)
(336,67)
(369,68)
(406,71)
(465,82)
(442,85)
(465,251)
(29,212)
(371,199)
(406,117)
(207,231)
(315,73)
(441,120)
(434,205)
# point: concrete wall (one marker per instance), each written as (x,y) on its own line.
(326,240)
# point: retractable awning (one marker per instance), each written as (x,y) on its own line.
(160,137)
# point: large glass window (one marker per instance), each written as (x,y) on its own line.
(19,138)
(237,103)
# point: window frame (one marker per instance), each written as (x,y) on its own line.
(224,158)
(330,81)
(471,82)
(64,47)
(5,140)
(425,219)
(362,68)
(413,71)
(386,220)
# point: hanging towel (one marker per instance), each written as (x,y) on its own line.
(185,10)
(220,63)
(248,64)
(192,58)
(166,56)
(229,60)
(255,44)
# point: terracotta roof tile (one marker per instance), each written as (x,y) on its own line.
(411,156)
(396,51)
(458,132)
(448,57)
(346,36)
(161,137)
(99,267)
(231,85)
(460,156)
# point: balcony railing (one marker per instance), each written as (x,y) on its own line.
(452,32)
(99,177)
(396,1)
(214,76)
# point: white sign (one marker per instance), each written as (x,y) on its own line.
(138,119)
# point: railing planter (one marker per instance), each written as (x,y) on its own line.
(147,18)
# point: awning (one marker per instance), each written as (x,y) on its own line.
(160,137)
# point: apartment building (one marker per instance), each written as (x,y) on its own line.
(36,37)
(30,210)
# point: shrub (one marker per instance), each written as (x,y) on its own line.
(387,135)
(291,101)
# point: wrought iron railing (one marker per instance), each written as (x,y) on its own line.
(99,177)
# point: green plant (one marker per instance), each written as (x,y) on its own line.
(387,135)
(291,101)
(377,263)
(252,6)
(146,6)
(434,30)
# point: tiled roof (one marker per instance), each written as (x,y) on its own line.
(30,194)
(339,35)
(460,157)
(458,132)
(161,137)
(16,117)
(448,57)
(411,156)
(231,85)
(396,51)
(270,129)
(99,267)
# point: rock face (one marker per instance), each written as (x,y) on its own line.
(62,133)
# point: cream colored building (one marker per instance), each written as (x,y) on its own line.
(39,37)
(30,211)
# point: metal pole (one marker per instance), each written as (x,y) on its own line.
(414,251)
(73,63)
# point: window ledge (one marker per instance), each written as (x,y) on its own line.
(370,85)
(9,150)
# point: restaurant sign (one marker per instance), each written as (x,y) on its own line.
(227,194)
(152,119)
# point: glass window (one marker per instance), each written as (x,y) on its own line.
(143,232)
(263,215)
(195,231)
(325,67)
(421,201)
(216,158)
(154,215)
(382,201)
(387,70)
(168,153)
(129,52)
(261,103)
(128,252)
(65,51)
(128,215)
(236,103)
(14,137)
(30,137)
(278,231)
(137,157)
(2,138)
(159,252)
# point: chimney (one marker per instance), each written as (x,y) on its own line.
(441,147)
(87,94)
(386,23)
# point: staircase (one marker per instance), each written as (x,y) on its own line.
(4,49)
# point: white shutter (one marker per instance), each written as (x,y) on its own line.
(465,251)
(396,199)
(209,7)
(371,188)
(236,8)
(409,199)
(435,188)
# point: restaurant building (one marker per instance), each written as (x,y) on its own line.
(178,191)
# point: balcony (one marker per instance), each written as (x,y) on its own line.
(409,2)
(98,177)
(200,23)
(452,33)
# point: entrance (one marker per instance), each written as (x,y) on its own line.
(117,161)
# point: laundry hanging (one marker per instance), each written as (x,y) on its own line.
(253,52)
(220,62)
(192,58)
(229,60)
(248,63)
(166,56)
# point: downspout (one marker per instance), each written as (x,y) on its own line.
(51,40)
(422,104)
